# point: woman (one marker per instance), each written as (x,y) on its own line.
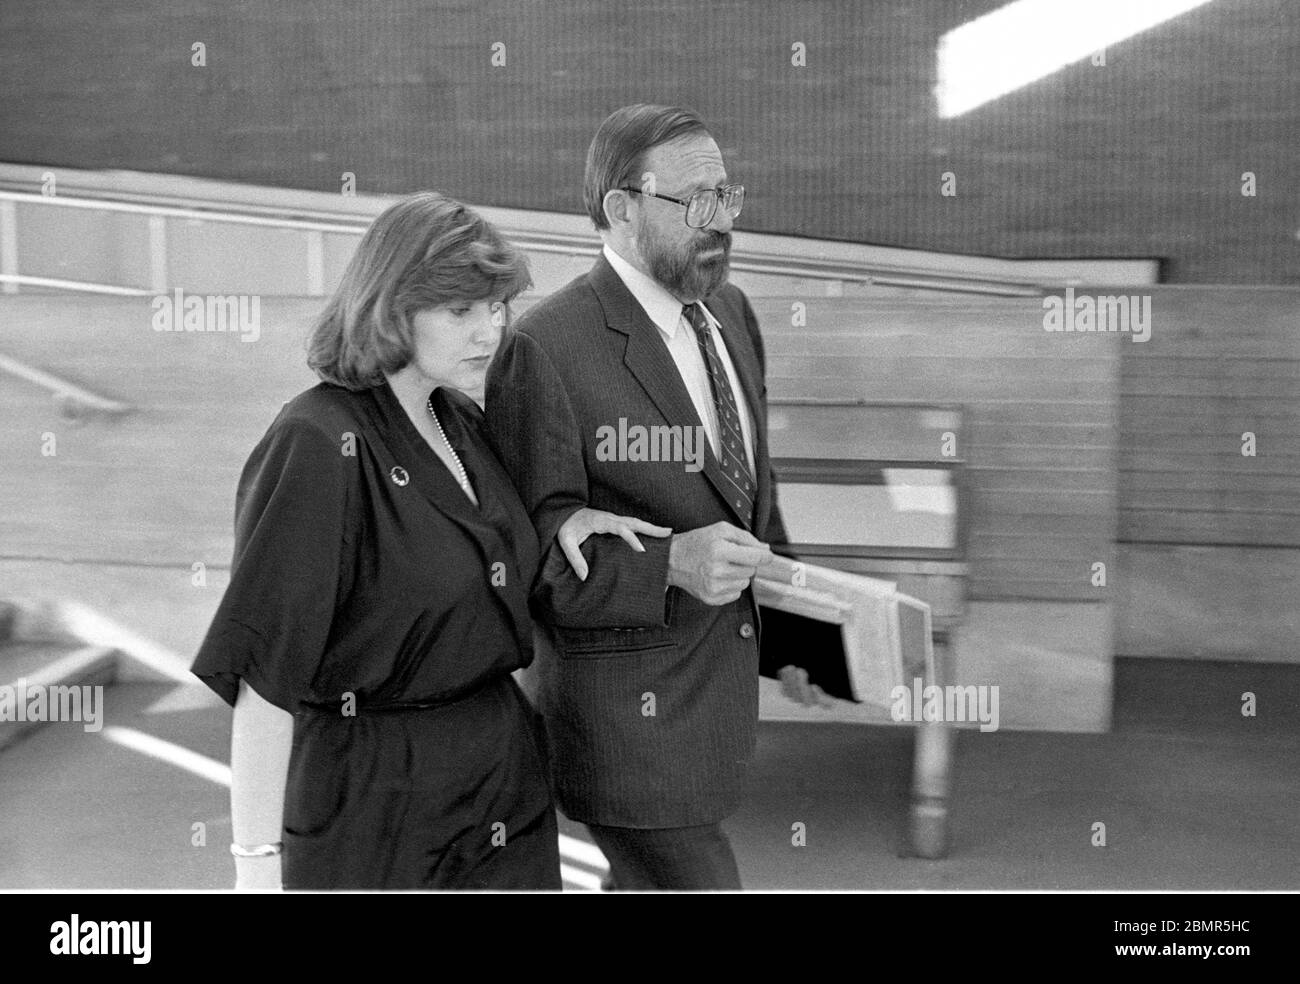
(378,597)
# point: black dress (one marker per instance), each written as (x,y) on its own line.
(374,601)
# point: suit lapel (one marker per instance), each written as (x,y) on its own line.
(646,356)
(651,365)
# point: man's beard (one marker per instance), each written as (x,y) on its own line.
(679,270)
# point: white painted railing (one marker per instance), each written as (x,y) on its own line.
(833,266)
(73,400)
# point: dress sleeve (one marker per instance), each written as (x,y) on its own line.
(274,621)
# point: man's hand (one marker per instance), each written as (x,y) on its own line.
(715,563)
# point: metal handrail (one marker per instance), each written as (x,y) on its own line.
(70,397)
(84,286)
(177,212)
(564,244)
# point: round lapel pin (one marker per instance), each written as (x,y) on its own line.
(399,476)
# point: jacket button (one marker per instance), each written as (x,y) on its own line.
(746,631)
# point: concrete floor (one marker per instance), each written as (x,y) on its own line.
(1193,796)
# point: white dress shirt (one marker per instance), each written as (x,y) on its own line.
(666,312)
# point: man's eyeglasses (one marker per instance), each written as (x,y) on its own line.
(702,206)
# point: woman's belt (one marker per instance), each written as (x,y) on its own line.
(397,706)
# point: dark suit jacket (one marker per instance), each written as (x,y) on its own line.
(650,697)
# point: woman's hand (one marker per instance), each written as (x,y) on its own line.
(585,522)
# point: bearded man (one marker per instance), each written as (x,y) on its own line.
(650,689)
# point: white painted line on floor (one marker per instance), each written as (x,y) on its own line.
(583,853)
(90,626)
(185,697)
(170,752)
(583,881)
(67,668)
(200,765)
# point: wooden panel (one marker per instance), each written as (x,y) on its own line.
(157,486)
(1030,546)
(1252,391)
(1041,498)
(1043,456)
(1039,526)
(1277,371)
(1142,407)
(1208,603)
(895,383)
(1145,485)
(1052,663)
(1222,362)
(1208,527)
(1039,418)
(1219,503)
(993,432)
(855,432)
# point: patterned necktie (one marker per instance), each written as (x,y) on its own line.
(731,441)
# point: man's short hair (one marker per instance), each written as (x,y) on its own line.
(617,151)
(424,251)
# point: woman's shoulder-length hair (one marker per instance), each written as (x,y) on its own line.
(423,251)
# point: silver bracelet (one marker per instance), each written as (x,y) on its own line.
(257,850)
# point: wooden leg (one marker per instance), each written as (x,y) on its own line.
(931,782)
(932,776)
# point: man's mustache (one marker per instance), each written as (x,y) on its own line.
(714,241)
